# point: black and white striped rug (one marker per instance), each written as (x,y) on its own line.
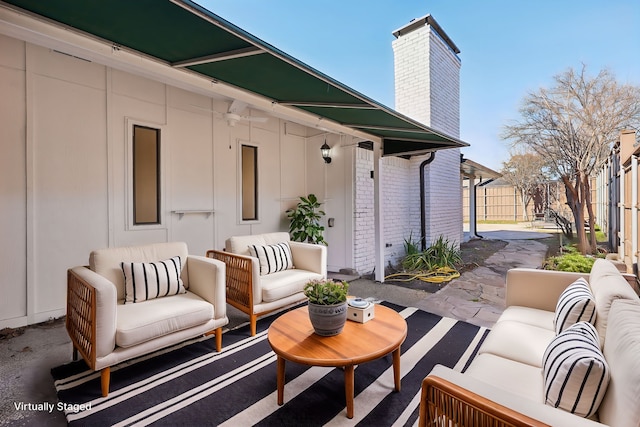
(192,385)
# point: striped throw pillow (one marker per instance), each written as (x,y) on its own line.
(575,372)
(273,258)
(145,281)
(576,304)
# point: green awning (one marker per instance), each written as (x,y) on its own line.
(182,34)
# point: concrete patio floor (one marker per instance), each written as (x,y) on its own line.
(476,297)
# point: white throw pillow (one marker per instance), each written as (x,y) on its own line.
(575,373)
(576,304)
(273,258)
(145,281)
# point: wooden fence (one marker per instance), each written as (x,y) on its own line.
(501,202)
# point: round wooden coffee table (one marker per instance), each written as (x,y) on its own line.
(292,338)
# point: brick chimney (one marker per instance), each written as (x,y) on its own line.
(427,89)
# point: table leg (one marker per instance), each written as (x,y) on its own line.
(280,380)
(396,368)
(349,387)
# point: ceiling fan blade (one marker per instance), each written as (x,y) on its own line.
(237,106)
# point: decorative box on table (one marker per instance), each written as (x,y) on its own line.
(359,310)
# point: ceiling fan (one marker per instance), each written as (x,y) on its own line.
(233,115)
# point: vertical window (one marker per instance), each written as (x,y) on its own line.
(146,175)
(249,177)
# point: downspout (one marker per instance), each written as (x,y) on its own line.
(423,211)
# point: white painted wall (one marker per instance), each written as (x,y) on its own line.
(13,195)
(65,125)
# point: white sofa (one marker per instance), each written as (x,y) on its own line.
(106,330)
(505,379)
(256,294)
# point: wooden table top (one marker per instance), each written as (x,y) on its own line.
(291,336)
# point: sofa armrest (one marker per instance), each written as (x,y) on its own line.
(539,289)
(207,280)
(449,396)
(310,257)
(91,313)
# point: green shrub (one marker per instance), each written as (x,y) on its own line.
(571,260)
(441,253)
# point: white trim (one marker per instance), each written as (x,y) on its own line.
(377,215)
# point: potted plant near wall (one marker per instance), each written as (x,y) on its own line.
(327,305)
(305,219)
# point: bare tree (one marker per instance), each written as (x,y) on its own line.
(525,171)
(573,125)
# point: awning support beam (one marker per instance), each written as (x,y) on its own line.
(327,105)
(222,56)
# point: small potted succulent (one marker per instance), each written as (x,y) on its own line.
(327,305)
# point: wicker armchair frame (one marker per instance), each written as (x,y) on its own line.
(81,324)
(444,403)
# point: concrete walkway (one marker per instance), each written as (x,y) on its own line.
(477,296)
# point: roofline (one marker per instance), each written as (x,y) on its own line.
(250,38)
(426,20)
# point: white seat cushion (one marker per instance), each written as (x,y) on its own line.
(620,406)
(514,377)
(530,316)
(607,285)
(518,341)
(138,323)
(284,283)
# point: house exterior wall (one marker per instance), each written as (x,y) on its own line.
(66,127)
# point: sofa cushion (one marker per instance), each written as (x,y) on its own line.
(272,258)
(607,285)
(575,373)
(576,304)
(106,262)
(148,280)
(620,405)
(518,341)
(240,244)
(530,316)
(138,323)
(514,377)
(284,283)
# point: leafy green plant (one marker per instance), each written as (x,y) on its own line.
(570,260)
(441,253)
(326,292)
(305,219)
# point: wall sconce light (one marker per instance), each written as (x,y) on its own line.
(325,152)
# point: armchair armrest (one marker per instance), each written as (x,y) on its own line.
(310,257)
(539,289)
(242,279)
(451,398)
(207,280)
(91,313)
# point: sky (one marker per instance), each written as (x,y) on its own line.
(508,48)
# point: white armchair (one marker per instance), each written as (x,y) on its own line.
(256,294)
(106,330)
